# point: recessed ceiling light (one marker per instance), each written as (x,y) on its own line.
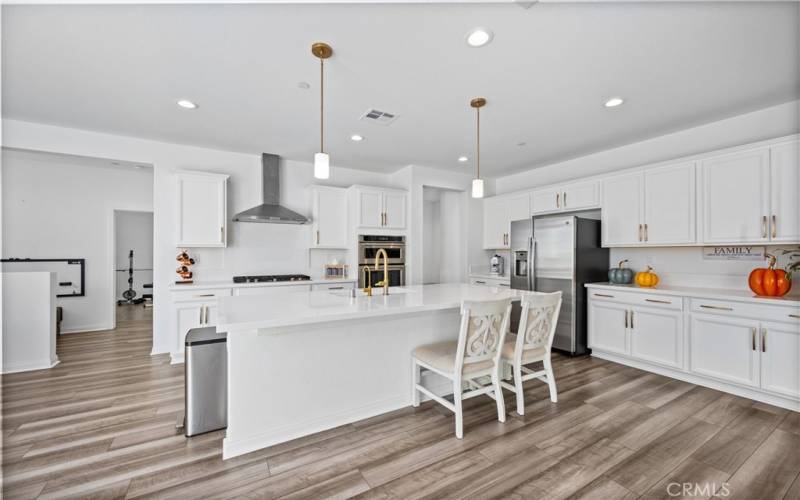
(356,138)
(463,159)
(479,37)
(187,104)
(521,143)
(304,85)
(613,102)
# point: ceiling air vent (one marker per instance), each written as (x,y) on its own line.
(379,117)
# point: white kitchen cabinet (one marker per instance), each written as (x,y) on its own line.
(669,201)
(495,223)
(190,315)
(656,335)
(780,358)
(785,192)
(344,285)
(568,197)
(495,282)
(201,209)
(608,326)
(623,210)
(380,208)
(725,348)
(734,198)
(394,210)
(329,217)
(519,208)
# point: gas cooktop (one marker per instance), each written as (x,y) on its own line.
(271,278)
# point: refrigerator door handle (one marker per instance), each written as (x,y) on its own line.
(531,263)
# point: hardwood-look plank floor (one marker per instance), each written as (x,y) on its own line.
(102,425)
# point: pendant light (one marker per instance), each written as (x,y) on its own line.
(477,182)
(322,161)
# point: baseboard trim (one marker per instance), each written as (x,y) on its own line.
(29,367)
(85,329)
(737,390)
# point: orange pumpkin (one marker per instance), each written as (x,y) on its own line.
(769,282)
(647,278)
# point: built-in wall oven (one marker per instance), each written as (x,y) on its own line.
(395,247)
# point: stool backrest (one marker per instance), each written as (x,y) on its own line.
(483,330)
(537,321)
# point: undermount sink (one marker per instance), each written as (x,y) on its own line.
(376,292)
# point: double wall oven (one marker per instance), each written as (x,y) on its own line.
(395,247)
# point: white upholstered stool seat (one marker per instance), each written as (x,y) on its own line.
(442,356)
(468,360)
(533,342)
(530,355)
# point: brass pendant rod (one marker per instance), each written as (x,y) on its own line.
(321,104)
(478,155)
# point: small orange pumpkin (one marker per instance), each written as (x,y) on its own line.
(769,282)
(647,278)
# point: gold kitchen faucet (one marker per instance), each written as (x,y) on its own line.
(385,282)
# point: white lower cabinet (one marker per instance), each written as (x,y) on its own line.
(190,315)
(608,327)
(657,335)
(748,348)
(724,348)
(780,358)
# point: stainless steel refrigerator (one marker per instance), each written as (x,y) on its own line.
(559,253)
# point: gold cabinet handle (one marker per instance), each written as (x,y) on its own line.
(565,199)
(764,226)
(716,307)
(753,338)
(203,295)
(774,226)
(631,320)
(794,316)
(221,233)
(640,232)
(763,340)
(317,236)
(645,232)
(658,301)
(558,203)
(626,319)
(603,295)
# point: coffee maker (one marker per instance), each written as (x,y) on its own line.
(496,265)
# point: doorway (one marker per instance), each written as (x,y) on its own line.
(133,264)
(443,249)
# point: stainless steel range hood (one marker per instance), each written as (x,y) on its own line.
(270,211)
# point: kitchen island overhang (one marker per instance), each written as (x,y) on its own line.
(305,362)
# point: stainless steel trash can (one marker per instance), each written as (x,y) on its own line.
(206,381)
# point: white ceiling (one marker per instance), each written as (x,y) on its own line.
(119,69)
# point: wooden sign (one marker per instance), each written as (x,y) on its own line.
(734,253)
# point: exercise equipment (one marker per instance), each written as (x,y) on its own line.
(129,295)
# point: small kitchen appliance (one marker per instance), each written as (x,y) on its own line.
(496,265)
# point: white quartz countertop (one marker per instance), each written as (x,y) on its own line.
(792,299)
(300,307)
(205,285)
(489,276)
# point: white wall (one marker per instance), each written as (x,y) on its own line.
(59,208)
(253,248)
(431,221)
(134,231)
(775,121)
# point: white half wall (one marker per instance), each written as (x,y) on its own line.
(58,207)
(29,321)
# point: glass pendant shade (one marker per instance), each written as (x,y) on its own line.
(477,188)
(322,166)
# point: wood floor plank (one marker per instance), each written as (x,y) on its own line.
(690,480)
(603,488)
(770,470)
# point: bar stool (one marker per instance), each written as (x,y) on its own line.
(475,354)
(533,343)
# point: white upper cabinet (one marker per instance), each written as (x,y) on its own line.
(651,207)
(569,197)
(394,210)
(329,217)
(495,223)
(519,208)
(623,210)
(380,208)
(785,192)
(669,205)
(734,199)
(201,209)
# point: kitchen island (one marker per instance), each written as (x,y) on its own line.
(304,361)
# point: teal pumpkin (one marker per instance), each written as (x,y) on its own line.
(620,275)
